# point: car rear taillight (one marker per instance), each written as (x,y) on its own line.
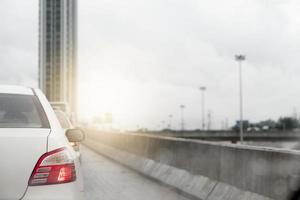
(54,167)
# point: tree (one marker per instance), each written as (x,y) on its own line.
(287,123)
(271,124)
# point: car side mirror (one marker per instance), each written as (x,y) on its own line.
(75,135)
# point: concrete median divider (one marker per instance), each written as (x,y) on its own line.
(205,170)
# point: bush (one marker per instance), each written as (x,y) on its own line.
(287,123)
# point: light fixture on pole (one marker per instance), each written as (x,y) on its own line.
(240,58)
(203,88)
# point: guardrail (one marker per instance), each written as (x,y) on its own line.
(205,170)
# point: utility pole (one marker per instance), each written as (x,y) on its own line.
(240,58)
(209,116)
(170,121)
(295,113)
(202,89)
(182,107)
(163,124)
(222,125)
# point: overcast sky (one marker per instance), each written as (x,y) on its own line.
(140,60)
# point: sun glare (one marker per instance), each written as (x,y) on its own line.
(107,93)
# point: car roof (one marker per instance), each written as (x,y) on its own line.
(13,89)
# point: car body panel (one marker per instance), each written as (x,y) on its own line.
(20,150)
(66,191)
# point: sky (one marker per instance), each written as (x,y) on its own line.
(141,60)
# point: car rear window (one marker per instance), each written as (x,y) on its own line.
(63,120)
(21,111)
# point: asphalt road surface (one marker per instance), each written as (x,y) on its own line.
(107,180)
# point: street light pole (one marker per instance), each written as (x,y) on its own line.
(203,88)
(182,117)
(163,124)
(170,121)
(240,58)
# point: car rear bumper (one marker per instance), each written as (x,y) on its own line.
(67,191)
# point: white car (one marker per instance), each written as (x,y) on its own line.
(66,125)
(37,161)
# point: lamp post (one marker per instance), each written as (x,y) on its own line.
(163,124)
(182,107)
(240,58)
(202,89)
(170,121)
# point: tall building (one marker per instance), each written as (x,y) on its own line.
(58,51)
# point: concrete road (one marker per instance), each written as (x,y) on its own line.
(107,180)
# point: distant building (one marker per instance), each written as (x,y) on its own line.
(58,51)
(237,126)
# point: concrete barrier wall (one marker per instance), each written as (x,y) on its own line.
(231,135)
(240,172)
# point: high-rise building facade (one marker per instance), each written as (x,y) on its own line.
(58,51)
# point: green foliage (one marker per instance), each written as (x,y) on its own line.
(271,124)
(283,123)
(287,123)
